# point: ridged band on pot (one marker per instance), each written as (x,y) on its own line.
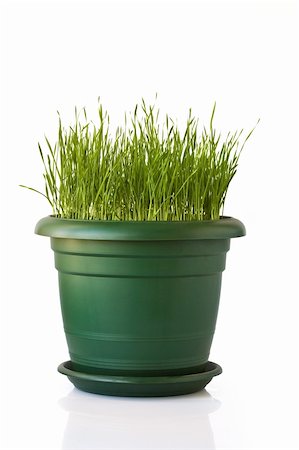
(139,298)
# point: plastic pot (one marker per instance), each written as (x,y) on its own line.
(139,301)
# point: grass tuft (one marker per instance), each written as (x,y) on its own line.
(144,171)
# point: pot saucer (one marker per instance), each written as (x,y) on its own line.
(140,386)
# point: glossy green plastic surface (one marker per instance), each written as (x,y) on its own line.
(138,301)
(150,386)
(224,228)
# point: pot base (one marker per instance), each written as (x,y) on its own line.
(142,386)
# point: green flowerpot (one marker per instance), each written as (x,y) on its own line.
(139,301)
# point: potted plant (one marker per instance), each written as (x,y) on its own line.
(140,244)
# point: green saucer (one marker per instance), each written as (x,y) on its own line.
(141,386)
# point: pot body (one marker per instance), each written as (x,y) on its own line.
(139,306)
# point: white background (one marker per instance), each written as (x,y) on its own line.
(244,55)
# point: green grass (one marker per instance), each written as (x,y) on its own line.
(143,171)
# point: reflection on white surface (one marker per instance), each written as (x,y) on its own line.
(102,422)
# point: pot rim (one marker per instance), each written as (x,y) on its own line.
(223,228)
